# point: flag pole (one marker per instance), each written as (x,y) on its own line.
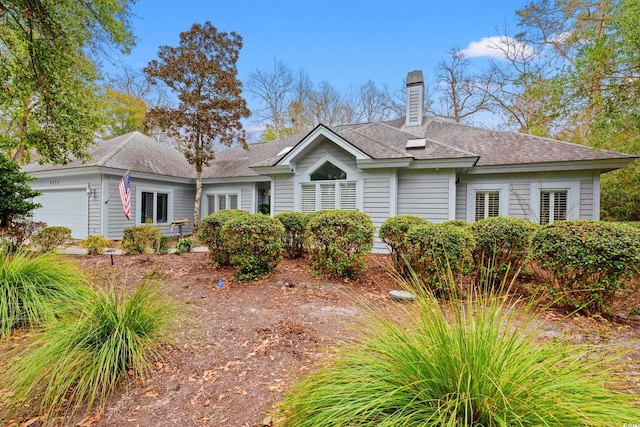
(111,195)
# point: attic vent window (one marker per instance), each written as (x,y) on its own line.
(328,172)
(416,143)
(284,151)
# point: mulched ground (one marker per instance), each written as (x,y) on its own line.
(241,346)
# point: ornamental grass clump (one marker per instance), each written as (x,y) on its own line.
(79,360)
(474,362)
(35,289)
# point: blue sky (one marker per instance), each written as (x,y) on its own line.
(343,42)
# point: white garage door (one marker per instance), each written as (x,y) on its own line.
(66,208)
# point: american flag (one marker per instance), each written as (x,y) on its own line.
(124,186)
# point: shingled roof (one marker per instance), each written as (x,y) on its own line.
(134,151)
(444,141)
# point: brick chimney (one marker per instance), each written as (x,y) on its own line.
(415,98)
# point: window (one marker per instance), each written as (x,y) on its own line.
(487,204)
(553,206)
(154,207)
(330,191)
(486,200)
(218,202)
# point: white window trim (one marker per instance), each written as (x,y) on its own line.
(573,197)
(503,194)
(304,177)
(151,189)
(219,192)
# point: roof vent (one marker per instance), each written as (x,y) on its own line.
(415,98)
(284,151)
(416,143)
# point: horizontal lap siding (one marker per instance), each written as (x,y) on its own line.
(586,199)
(377,190)
(183,203)
(283,192)
(519,199)
(424,195)
(461,201)
(322,149)
(247,196)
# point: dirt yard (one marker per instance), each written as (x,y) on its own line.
(245,343)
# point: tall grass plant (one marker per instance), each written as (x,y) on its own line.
(476,361)
(35,289)
(79,360)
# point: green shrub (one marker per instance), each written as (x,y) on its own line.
(49,238)
(458,223)
(80,359)
(434,251)
(393,233)
(144,239)
(588,261)
(502,246)
(34,289)
(255,244)
(338,241)
(96,244)
(477,362)
(209,234)
(185,245)
(293,240)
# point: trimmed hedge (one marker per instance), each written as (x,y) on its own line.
(435,252)
(49,238)
(502,246)
(588,261)
(254,242)
(144,239)
(96,244)
(209,234)
(338,241)
(293,239)
(393,233)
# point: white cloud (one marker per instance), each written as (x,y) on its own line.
(499,47)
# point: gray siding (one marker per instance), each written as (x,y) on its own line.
(519,196)
(283,192)
(424,194)
(322,149)
(182,207)
(377,193)
(461,201)
(586,199)
(247,197)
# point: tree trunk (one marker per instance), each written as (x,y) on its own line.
(196,206)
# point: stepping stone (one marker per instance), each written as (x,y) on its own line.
(402,295)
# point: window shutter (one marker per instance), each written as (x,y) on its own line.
(479,205)
(559,205)
(308,198)
(348,196)
(327,196)
(493,204)
(544,207)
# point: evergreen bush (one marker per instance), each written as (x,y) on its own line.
(502,246)
(338,241)
(185,245)
(49,238)
(210,235)
(588,261)
(393,233)
(144,239)
(95,244)
(293,240)
(434,251)
(254,242)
